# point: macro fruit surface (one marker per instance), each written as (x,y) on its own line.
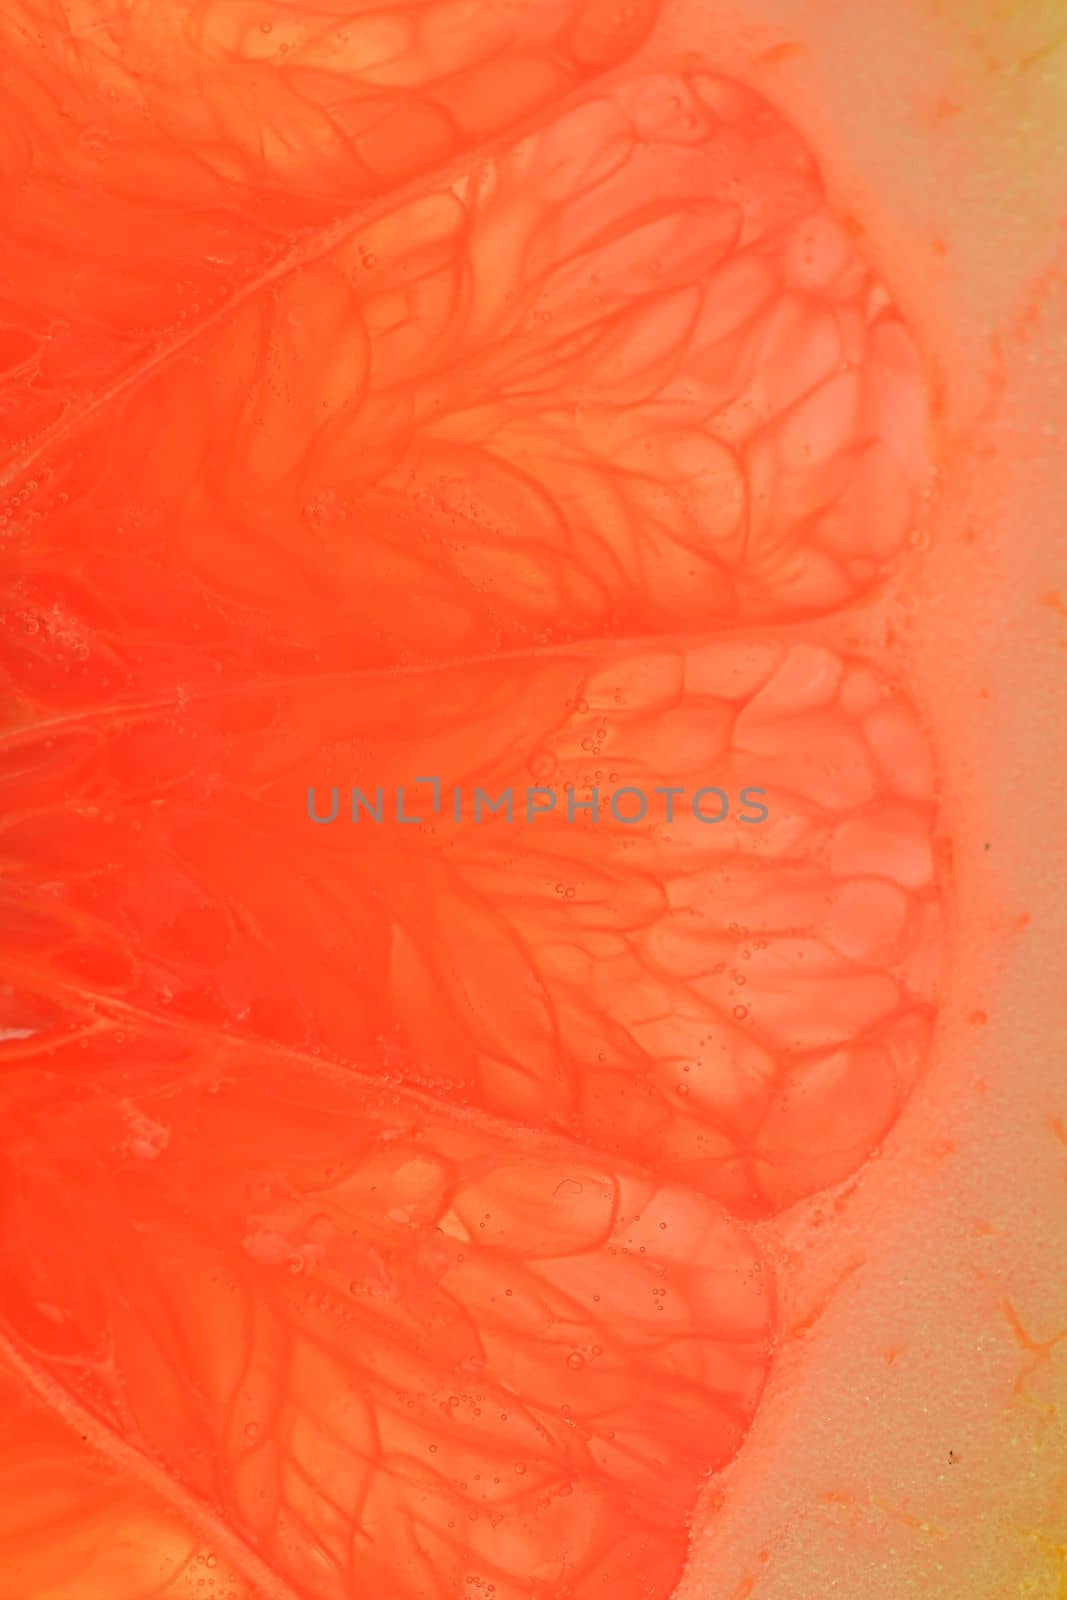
(527,555)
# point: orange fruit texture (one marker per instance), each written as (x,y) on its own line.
(456,457)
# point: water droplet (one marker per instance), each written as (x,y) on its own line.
(542,763)
(576,1361)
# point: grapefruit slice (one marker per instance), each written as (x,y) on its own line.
(384,1198)
(568,921)
(371,1340)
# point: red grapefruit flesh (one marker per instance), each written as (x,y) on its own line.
(379,1194)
